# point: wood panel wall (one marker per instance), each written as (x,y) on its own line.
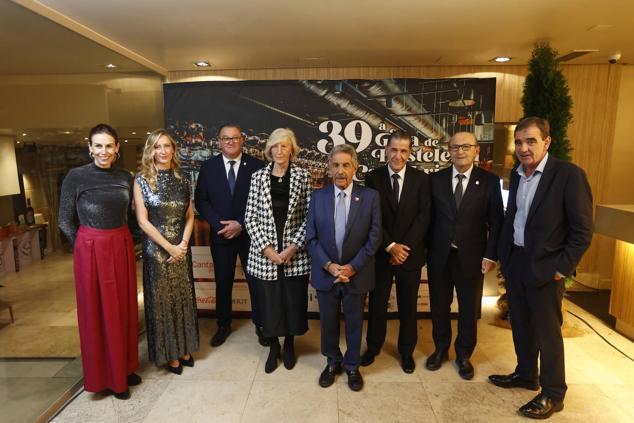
(594,90)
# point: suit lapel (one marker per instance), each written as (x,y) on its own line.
(448,190)
(330,209)
(544,182)
(293,190)
(222,175)
(243,181)
(386,181)
(406,191)
(355,202)
(511,205)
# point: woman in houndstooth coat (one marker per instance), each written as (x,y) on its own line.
(276,221)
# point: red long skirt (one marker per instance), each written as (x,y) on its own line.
(105,283)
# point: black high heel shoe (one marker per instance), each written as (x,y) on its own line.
(288,357)
(176,370)
(189,362)
(274,355)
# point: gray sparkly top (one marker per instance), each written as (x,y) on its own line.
(94,197)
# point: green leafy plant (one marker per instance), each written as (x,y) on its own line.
(546,94)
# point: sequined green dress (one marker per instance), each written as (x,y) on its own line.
(168,288)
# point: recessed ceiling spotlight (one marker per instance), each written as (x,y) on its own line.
(147,133)
(202,64)
(24,134)
(85,138)
(133,133)
(111,66)
(18,142)
(125,140)
(501,59)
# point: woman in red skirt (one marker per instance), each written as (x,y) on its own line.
(97,196)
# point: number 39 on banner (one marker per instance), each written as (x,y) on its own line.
(356,132)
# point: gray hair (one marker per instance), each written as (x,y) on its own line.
(345,148)
(276,137)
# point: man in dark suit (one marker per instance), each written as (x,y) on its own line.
(343,232)
(548,227)
(467,215)
(221,199)
(405,210)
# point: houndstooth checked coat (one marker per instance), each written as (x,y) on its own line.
(260,225)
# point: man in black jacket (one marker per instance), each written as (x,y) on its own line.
(548,227)
(467,214)
(405,204)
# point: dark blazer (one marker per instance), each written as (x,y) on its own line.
(475,226)
(407,222)
(213,198)
(362,238)
(559,224)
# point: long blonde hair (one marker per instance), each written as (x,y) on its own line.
(148,166)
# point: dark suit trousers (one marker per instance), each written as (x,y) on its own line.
(329,306)
(536,323)
(407,284)
(224,257)
(469,291)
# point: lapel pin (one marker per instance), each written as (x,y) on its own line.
(477,182)
(356,198)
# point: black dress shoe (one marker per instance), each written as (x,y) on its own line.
(134,379)
(327,377)
(435,360)
(122,395)
(288,356)
(513,381)
(465,368)
(221,336)
(407,363)
(189,362)
(176,370)
(262,340)
(355,381)
(368,357)
(541,407)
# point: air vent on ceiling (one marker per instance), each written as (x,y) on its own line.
(574,54)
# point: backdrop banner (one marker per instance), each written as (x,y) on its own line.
(322,114)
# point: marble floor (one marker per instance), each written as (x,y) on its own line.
(228,383)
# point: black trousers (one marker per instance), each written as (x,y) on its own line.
(225,257)
(407,285)
(329,306)
(469,292)
(536,321)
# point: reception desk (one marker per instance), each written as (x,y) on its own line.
(617,221)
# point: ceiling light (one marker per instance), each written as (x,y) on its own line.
(501,59)
(125,140)
(111,66)
(133,133)
(24,134)
(147,133)
(202,64)
(18,142)
(85,138)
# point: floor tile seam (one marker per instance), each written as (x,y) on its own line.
(246,401)
(431,404)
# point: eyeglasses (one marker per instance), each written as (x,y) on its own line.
(463,147)
(231,139)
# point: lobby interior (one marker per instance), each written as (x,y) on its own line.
(55,84)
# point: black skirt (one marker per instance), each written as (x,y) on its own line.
(283,304)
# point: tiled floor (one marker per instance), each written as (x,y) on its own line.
(228,384)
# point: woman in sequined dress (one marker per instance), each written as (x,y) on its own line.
(162,198)
(276,221)
(98,196)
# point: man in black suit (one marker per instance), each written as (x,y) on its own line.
(548,227)
(467,215)
(221,199)
(405,208)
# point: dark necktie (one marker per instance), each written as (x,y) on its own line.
(395,187)
(457,194)
(231,178)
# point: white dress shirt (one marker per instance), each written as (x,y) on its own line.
(236,165)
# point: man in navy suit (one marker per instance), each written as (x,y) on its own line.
(221,199)
(467,215)
(343,232)
(547,228)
